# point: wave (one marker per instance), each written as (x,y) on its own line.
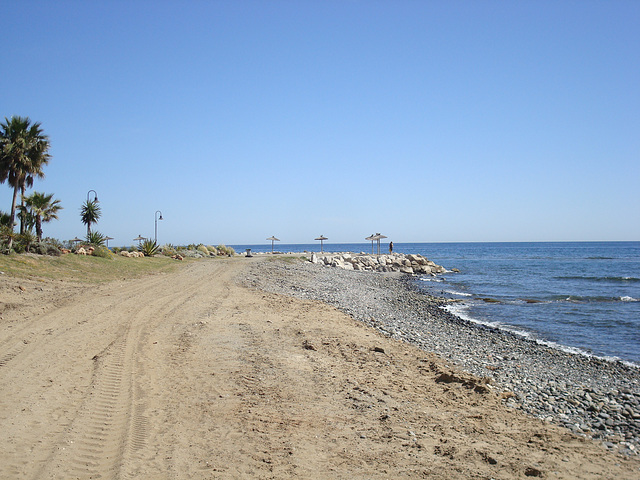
(629,299)
(600,258)
(594,299)
(462,311)
(550,300)
(460,294)
(600,279)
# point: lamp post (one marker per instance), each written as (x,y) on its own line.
(95,199)
(156,217)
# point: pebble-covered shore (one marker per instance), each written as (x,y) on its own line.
(590,396)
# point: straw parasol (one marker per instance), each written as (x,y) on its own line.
(377,237)
(139,238)
(322,238)
(107,239)
(273,239)
(371,237)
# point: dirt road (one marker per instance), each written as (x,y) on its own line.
(188,375)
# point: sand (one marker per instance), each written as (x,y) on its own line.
(190,375)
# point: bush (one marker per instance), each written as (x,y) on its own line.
(204,250)
(102,252)
(53,242)
(43,248)
(224,250)
(96,239)
(148,247)
(212,250)
(25,241)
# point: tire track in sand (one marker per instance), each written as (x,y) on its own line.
(112,425)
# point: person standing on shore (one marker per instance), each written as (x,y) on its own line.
(390,247)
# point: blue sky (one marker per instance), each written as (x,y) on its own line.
(426,121)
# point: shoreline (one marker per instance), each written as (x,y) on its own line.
(592,397)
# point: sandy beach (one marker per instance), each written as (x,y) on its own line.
(194,374)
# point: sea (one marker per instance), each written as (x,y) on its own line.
(581,297)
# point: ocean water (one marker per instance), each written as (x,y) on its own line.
(579,296)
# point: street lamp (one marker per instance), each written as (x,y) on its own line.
(95,193)
(156,217)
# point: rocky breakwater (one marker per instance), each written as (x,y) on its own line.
(396,262)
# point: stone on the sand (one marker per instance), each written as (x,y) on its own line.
(396,262)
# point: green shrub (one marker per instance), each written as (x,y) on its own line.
(96,239)
(204,250)
(102,252)
(224,250)
(43,248)
(26,240)
(212,250)
(168,250)
(53,242)
(148,247)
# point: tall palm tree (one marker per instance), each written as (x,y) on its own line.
(24,150)
(43,208)
(90,213)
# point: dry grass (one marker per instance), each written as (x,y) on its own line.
(84,269)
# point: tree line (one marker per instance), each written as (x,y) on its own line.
(24,152)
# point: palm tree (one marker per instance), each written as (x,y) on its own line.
(24,150)
(90,213)
(42,208)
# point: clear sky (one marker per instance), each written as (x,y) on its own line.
(427,121)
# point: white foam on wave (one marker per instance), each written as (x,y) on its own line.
(461,294)
(628,299)
(431,279)
(462,311)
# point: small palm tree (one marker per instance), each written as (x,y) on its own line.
(5,219)
(24,150)
(148,247)
(96,238)
(42,208)
(90,213)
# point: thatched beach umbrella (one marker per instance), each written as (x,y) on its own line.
(378,237)
(273,239)
(76,240)
(372,238)
(322,238)
(139,239)
(107,239)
